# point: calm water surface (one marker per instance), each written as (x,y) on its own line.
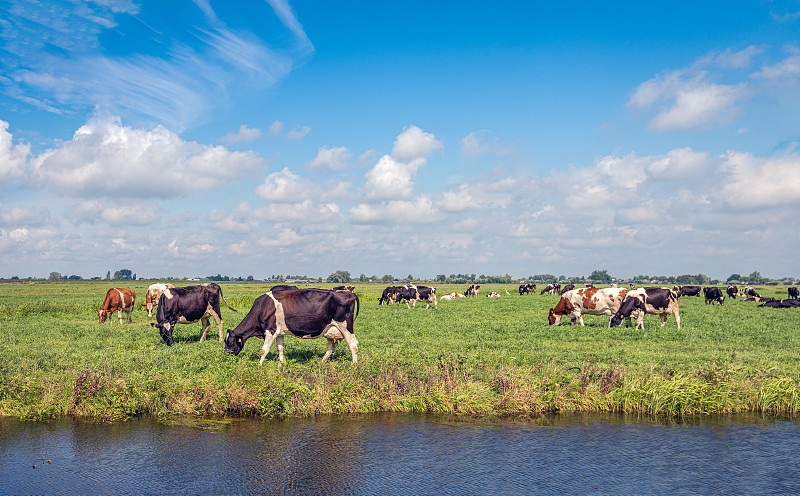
(403,454)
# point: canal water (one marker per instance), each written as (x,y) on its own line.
(403,454)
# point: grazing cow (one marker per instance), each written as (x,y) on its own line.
(549,289)
(591,301)
(793,293)
(713,295)
(389,294)
(568,287)
(784,303)
(153,294)
(473,290)
(733,291)
(188,305)
(750,291)
(589,285)
(305,313)
(688,290)
(412,294)
(527,289)
(661,301)
(117,300)
(345,288)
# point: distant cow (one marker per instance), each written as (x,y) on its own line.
(758,298)
(661,301)
(549,289)
(568,287)
(188,305)
(589,285)
(493,294)
(117,300)
(153,294)
(632,285)
(750,291)
(412,294)
(527,289)
(793,293)
(713,295)
(688,290)
(784,303)
(305,313)
(614,285)
(591,301)
(344,288)
(389,294)
(733,291)
(473,290)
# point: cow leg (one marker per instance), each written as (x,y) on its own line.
(269,337)
(580,319)
(206,326)
(218,320)
(279,343)
(331,346)
(119,314)
(350,339)
(663,319)
(677,319)
(130,309)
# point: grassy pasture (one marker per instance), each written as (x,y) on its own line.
(484,356)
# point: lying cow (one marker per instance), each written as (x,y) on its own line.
(751,291)
(153,294)
(412,294)
(784,303)
(713,295)
(117,300)
(305,313)
(687,290)
(732,291)
(389,295)
(473,290)
(493,294)
(661,301)
(188,305)
(568,287)
(527,289)
(793,292)
(591,301)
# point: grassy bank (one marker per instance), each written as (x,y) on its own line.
(480,356)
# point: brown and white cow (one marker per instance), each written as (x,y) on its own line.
(154,292)
(660,301)
(305,313)
(117,300)
(591,301)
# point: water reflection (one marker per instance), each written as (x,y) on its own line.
(403,454)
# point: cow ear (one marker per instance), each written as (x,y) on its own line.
(552,311)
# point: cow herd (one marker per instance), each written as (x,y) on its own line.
(312,313)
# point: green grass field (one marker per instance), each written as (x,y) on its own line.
(484,356)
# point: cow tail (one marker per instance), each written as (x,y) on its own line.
(226,302)
(358,304)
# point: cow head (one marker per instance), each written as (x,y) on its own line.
(102,315)
(165,331)
(233,344)
(553,318)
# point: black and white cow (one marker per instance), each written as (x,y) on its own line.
(549,289)
(784,303)
(389,294)
(750,291)
(344,288)
(732,291)
(473,290)
(412,294)
(713,295)
(660,301)
(527,289)
(305,313)
(188,305)
(793,292)
(567,287)
(687,290)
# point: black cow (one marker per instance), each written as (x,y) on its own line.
(637,303)
(473,290)
(344,288)
(567,287)
(188,305)
(733,291)
(527,289)
(750,291)
(412,294)
(687,290)
(305,313)
(793,293)
(784,303)
(713,295)
(389,294)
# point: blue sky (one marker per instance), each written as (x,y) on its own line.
(191,138)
